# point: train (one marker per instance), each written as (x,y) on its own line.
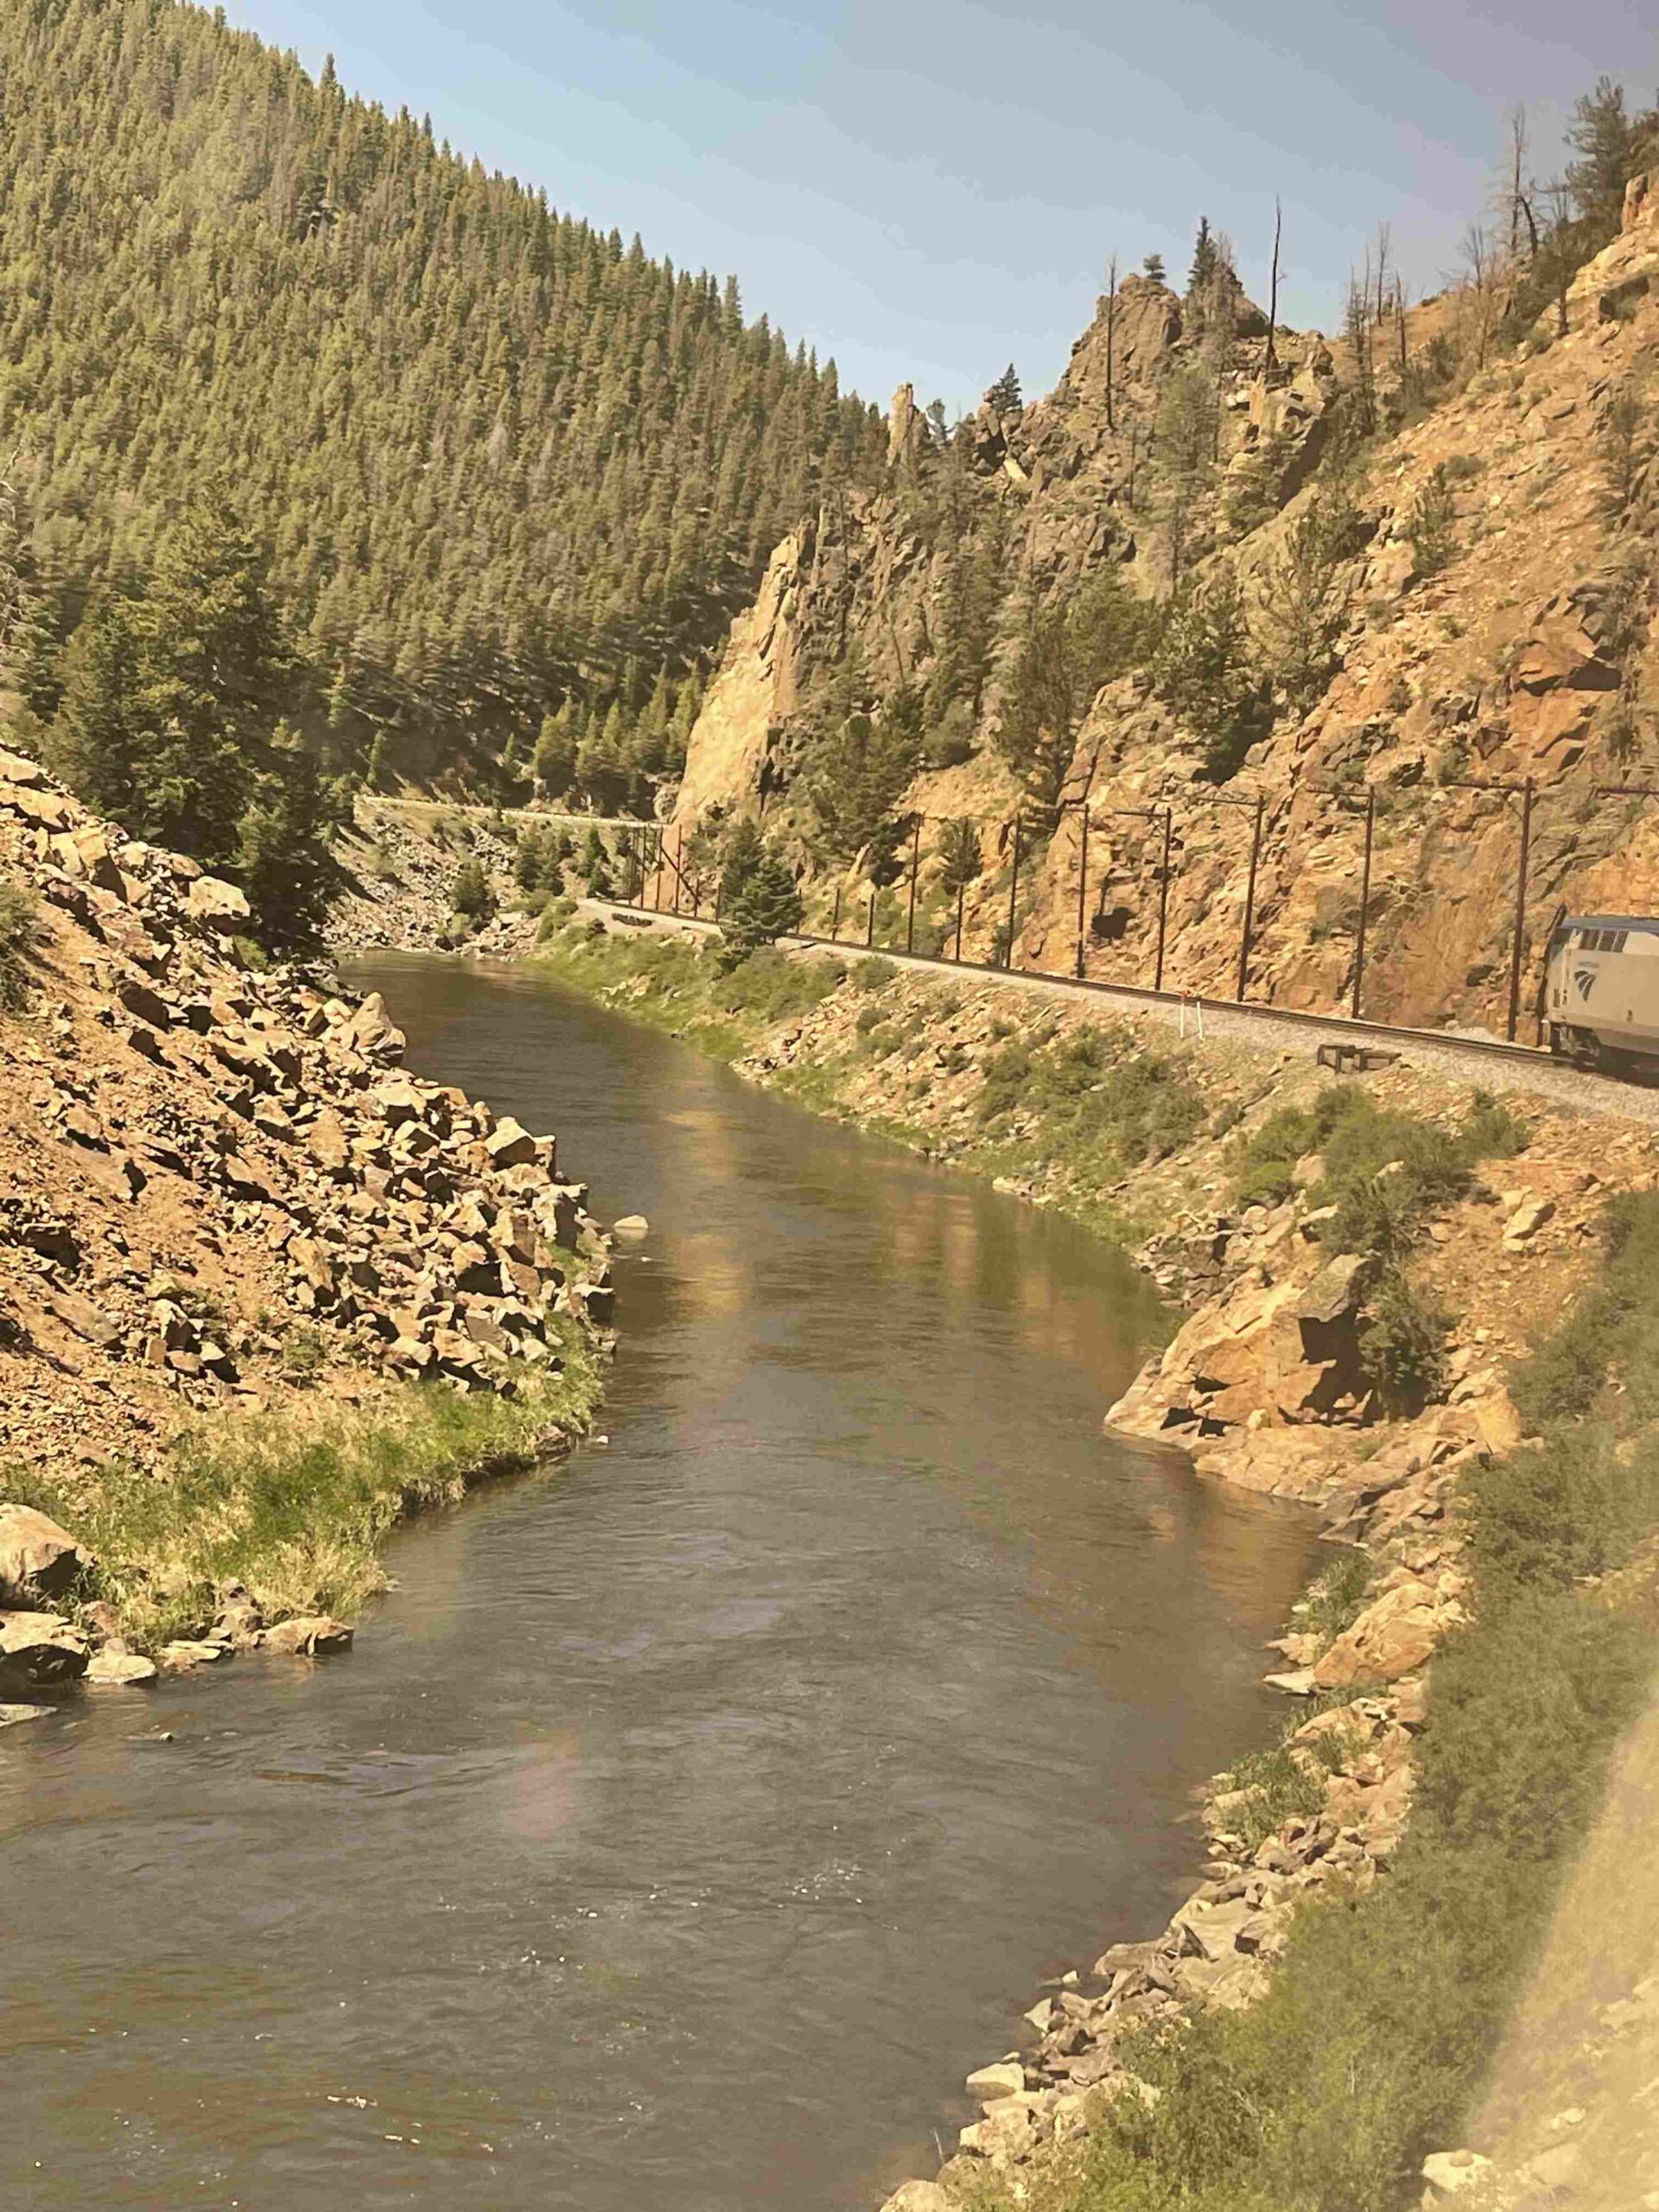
(1600,1004)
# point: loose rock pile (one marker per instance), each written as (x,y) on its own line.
(219,1189)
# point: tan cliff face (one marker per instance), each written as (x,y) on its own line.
(1525,657)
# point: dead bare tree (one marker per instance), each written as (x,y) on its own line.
(1358,330)
(1384,240)
(1111,332)
(1477,285)
(1272,360)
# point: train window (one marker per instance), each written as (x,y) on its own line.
(1619,937)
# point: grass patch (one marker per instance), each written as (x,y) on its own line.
(1103,1101)
(296,1504)
(1384,2011)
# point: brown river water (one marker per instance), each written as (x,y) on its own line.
(687,1821)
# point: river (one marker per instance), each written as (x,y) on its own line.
(687,1821)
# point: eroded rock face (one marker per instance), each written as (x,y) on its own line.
(1390,1639)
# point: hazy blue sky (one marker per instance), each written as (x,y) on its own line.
(926,187)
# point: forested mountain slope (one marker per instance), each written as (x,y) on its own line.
(506,465)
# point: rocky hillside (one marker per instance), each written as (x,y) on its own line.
(227,1211)
(1489,620)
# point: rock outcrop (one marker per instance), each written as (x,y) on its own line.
(220,1191)
(1518,648)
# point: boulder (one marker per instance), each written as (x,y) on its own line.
(187,1652)
(1335,1292)
(1005,2079)
(373,1033)
(39,1651)
(510,1144)
(1390,1638)
(918,2196)
(112,1669)
(1447,2172)
(147,1005)
(38,1560)
(1214,1928)
(1526,1220)
(310,1635)
(211,900)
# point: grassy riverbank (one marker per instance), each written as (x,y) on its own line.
(1368,2048)
(1067,1114)
(1383,2015)
(296,1503)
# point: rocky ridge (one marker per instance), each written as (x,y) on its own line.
(221,1193)
(1522,650)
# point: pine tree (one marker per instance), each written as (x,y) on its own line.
(1154,267)
(1607,141)
(958,854)
(596,866)
(169,710)
(739,857)
(1203,669)
(1003,398)
(1206,262)
(473,896)
(766,907)
(282,861)
(554,763)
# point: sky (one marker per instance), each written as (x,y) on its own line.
(926,189)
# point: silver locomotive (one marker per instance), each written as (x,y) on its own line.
(1601,990)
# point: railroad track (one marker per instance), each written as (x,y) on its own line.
(1529,1066)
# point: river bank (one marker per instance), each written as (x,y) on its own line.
(238,1246)
(1367,1265)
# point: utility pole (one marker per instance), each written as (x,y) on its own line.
(915,863)
(1083,881)
(1526,792)
(1014,892)
(1250,897)
(1163,899)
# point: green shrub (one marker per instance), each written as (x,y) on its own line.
(1402,1344)
(1101,1100)
(874,975)
(1336,1600)
(473,895)
(770,986)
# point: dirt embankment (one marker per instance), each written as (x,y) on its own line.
(234,1233)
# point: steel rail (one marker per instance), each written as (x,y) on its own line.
(1492,1048)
